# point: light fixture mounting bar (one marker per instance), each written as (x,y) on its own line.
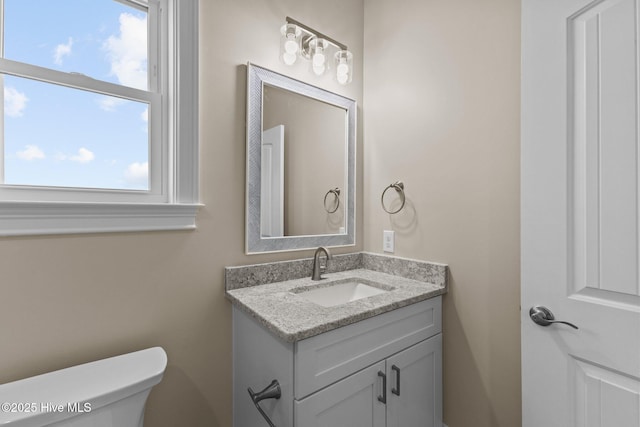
(316,33)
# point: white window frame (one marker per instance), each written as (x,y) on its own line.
(173,197)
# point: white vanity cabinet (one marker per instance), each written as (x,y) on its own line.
(412,396)
(382,371)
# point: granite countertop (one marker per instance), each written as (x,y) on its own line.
(291,317)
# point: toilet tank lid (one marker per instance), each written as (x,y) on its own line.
(100,383)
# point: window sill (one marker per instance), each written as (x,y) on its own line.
(39,218)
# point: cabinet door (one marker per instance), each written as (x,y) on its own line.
(414,385)
(351,402)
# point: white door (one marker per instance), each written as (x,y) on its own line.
(272,183)
(580,210)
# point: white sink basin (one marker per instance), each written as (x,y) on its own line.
(340,293)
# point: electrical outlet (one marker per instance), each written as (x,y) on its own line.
(388,241)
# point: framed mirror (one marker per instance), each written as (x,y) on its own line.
(301,150)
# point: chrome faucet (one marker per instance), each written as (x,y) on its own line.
(317,269)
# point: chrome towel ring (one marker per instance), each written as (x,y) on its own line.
(399,187)
(336,194)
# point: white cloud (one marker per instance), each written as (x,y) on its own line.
(137,173)
(127,51)
(61,51)
(31,152)
(110,103)
(14,102)
(145,115)
(83,156)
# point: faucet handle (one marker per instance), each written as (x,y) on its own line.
(318,269)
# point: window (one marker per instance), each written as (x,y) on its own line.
(98,130)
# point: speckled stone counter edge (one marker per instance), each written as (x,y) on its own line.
(282,309)
(262,274)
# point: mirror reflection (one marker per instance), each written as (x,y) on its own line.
(303,165)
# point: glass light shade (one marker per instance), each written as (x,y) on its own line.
(317,50)
(318,58)
(344,66)
(291,46)
(289,58)
(319,70)
(342,69)
(289,43)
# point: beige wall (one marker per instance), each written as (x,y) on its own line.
(441,112)
(70,299)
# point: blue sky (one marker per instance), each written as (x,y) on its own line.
(59,136)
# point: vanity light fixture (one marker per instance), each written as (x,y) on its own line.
(344,66)
(290,43)
(317,48)
(299,40)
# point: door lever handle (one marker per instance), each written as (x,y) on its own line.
(544,317)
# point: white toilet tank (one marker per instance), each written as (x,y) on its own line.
(107,393)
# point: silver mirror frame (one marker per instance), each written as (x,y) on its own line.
(257,77)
